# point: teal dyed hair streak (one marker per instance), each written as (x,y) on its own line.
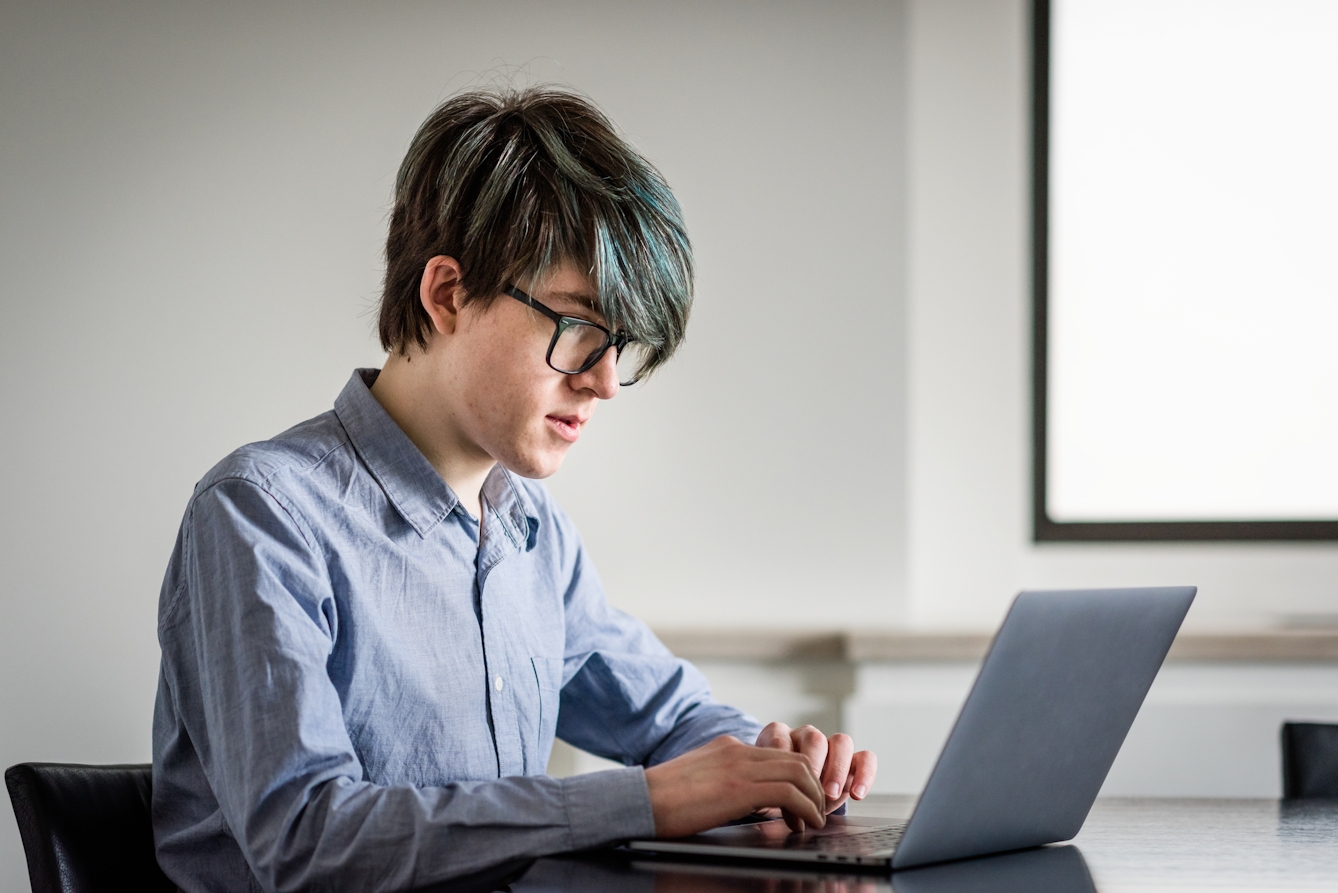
(512,183)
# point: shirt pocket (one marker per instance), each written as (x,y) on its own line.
(548,678)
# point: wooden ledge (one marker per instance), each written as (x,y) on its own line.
(721,644)
(1262,646)
(1282,645)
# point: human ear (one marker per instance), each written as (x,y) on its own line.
(441,293)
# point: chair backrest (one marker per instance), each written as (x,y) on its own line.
(86,829)
(1309,760)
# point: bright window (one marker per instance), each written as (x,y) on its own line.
(1191,318)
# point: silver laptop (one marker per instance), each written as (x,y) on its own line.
(1054,699)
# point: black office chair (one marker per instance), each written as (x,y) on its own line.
(1309,760)
(86,829)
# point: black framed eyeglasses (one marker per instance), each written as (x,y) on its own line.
(579,344)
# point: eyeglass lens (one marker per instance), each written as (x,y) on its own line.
(578,343)
(631,358)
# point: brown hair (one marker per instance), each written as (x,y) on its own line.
(513,182)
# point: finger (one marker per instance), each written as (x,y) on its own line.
(777,735)
(796,773)
(769,766)
(802,776)
(864,770)
(812,744)
(836,771)
(798,809)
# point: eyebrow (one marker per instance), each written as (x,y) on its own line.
(584,299)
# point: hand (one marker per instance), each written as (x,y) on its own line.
(842,772)
(727,779)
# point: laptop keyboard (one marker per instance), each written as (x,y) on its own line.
(858,844)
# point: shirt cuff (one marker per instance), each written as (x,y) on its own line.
(606,806)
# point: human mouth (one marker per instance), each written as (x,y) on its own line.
(568,427)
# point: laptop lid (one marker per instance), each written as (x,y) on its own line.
(1053,702)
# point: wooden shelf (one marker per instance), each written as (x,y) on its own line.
(1265,646)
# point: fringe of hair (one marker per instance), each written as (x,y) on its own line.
(512,183)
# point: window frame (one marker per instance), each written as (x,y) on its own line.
(1044,528)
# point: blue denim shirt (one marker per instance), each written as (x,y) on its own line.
(361,683)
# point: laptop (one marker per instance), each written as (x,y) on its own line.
(1050,707)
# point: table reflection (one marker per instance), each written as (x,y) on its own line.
(1046,870)
(1056,869)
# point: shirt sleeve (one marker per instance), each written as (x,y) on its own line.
(247,639)
(624,695)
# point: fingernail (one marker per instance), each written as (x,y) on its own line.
(859,792)
(833,790)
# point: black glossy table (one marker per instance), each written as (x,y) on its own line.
(1126,845)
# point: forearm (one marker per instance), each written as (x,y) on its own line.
(358,836)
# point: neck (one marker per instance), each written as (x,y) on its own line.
(405,391)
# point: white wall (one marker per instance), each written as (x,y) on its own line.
(192,212)
(968,315)
(192,203)
(1206,729)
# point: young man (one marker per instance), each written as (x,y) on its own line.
(374,624)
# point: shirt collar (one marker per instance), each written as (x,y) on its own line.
(409,481)
(506,506)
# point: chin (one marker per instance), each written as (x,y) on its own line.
(536,467)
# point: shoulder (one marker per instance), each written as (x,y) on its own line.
(262,496)
(295,470)
(300,451)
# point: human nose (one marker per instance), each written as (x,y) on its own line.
(601,378)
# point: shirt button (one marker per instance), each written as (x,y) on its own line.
(498,683)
